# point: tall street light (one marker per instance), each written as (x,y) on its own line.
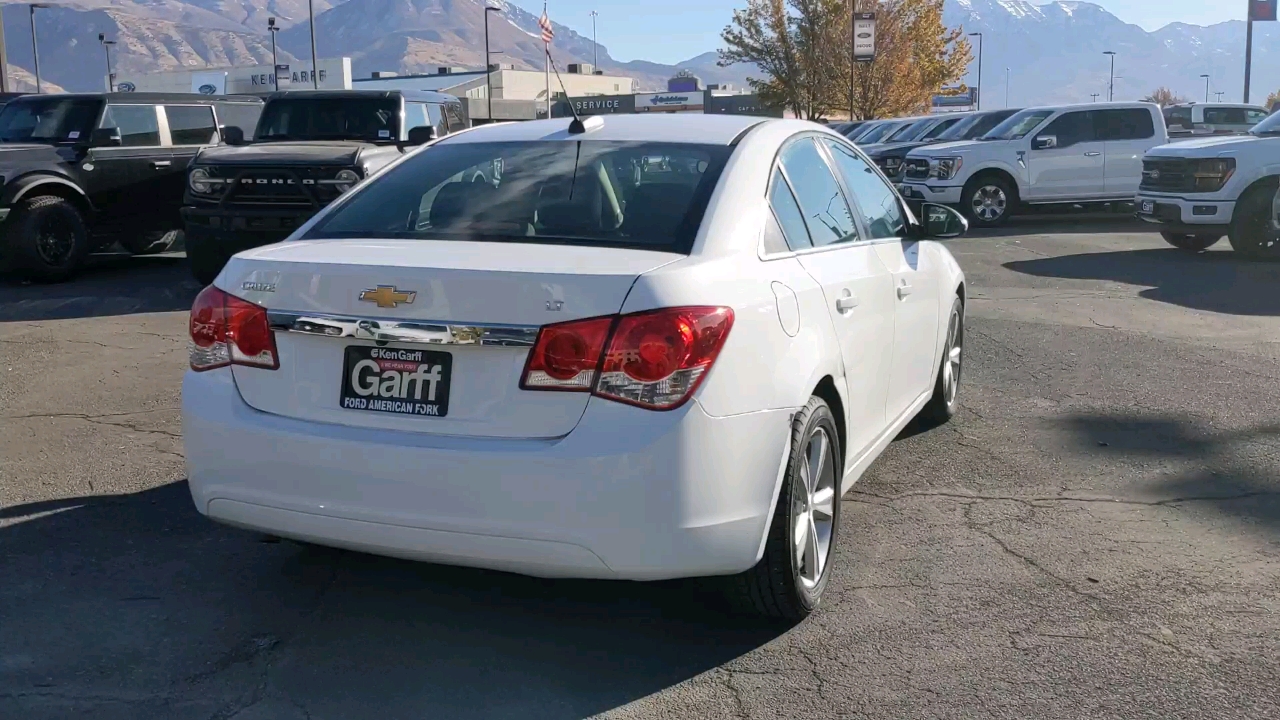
(275,66)
(315,70)
(35,51)
(1006,88)
(4,63)
(106,50)
(1206,87)
(488,62)
(1111,86)
(978,94)
(595,44)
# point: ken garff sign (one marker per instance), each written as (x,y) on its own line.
(864,37)
(1262,10)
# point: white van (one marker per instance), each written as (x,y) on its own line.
(1068,154)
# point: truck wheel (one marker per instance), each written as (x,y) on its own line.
(206,261)
(1189,242)
(151,243)
(47,239)
(1253,234)
(988,201)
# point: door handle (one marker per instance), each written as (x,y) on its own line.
(1095,153)
(160,164)
(846,303)
(903,291)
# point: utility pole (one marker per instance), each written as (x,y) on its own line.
(595,44)
(315,70)
(1219,93)
(1094,96)
(4,63)
(1111,86)
(106,49)
(488,62)
(35,50)
(978,93)
(275,65)
(853,11)
(1006,88)
(1248,54)
(1206,87)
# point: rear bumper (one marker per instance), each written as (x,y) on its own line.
(1179,214)
(629,494)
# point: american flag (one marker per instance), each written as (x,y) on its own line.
(544,23)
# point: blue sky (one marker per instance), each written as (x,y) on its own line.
(669,31)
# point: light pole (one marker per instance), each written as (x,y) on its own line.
(315,71)
(4,63)
(595,44)
(35,51)
(106,50)
(978,94)
(1094,96)
(488,64)
(275,66)
(1006,88)
(1111,86)
(1206,87)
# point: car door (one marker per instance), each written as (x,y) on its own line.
(914,273)
(857,288)
(122,177)
(1066,161)
(1127,134)
(190,127)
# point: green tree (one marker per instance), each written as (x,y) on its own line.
(1272,99)
(1164,97)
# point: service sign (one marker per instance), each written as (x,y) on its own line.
(864,37)
(1262,10)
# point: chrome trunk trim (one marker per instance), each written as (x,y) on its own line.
(411,332)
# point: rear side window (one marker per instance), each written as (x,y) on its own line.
(790,220)
(138,124)
(593,193)
(1256,116)
(1225,116)
(820,197)
(242,115)
(1131,124)
(1178,117)
(453,113)
(191,124)
(1070,128)
(415,115)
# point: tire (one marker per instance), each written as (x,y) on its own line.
(946,391)
(151,243)
(786,583)
(988,201)
(47,239)
(1252,233)
(1191,243)
(205,259)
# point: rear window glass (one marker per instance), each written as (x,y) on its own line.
(597,193)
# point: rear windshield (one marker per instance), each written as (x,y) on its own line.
(368,119)
(596,193)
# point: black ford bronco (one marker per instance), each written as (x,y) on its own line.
(81,171)
(309,147)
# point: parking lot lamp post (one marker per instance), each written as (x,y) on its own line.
(978,94)
(275,66)
(488,62)
(1006,88)
(1206,87)
(315,70)
(106,49)
(1111,86)
(35,51)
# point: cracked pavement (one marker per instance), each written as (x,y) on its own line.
(1097,534)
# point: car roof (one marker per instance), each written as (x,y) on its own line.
(1099,106)
(419,95)
(144,97)
(684,128)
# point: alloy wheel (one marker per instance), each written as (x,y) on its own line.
(990,202)
(951,363)
(813,509)
(55,241)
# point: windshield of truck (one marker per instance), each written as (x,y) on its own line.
(48,120)
(975,126)
(877,134)
(592,193)
(910,131)
(366,119)
(1267,128)
(1018,126)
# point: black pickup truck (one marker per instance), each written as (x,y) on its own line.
(309,147)
(81,171)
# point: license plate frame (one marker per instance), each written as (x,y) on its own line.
(400,381)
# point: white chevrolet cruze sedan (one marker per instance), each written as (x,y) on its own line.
(639,347)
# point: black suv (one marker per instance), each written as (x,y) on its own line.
(309,147)
(81,171)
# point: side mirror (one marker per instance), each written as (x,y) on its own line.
(1045,142)
(232,135)
(942,222)
(106,137)
(421,135)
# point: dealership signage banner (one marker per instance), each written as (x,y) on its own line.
(669,102)
(1262,10)
(864,37)
(604,104)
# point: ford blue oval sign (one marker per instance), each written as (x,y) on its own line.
(126,87)
(208,89)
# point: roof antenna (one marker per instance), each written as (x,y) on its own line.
(578,126)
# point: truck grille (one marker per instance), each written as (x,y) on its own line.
(1168,175)
(278,187)
(916,169)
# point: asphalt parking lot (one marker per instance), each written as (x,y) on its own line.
(1097,534)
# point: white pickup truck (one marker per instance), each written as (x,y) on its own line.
(1069,154)
(1199,190)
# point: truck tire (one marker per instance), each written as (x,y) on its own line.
(1195,243)
(988,201)
(47,239)
(1252,233)
(206,260)
(151,243)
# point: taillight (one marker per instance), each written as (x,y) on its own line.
(226,330)
(654,359)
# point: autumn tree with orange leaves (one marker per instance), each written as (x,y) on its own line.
(802,48)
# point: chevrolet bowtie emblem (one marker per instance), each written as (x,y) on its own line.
(387,296)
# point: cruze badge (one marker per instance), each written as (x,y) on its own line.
(387,296)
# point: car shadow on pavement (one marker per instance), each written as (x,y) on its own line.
(137,599)
(1234,473)
(1214,281)
(108,284)
(1064,224)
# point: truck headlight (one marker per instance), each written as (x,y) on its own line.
(1212,174)
(947,168)
(199,181)
(346,179)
